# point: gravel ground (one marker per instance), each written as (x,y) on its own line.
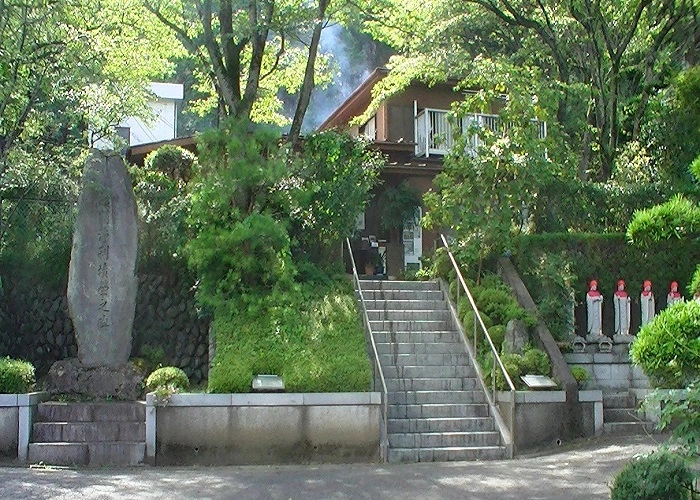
(579,470)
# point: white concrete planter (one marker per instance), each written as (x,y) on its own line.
(263,428)
(16,418)
(540,416)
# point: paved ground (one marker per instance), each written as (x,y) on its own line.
(581,470)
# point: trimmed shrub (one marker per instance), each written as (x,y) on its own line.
(580,374)
(668,348)
(652,477)
(167,376)
(497,334)
(16,377)
(513,365)
(535,362)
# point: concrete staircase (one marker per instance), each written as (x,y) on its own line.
(621,414)
(437,409)
(89,434)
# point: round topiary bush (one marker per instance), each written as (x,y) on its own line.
(536,362)
(580,374)
(16,377)
(668,348)
(167,376)
(513,364)
(655,476)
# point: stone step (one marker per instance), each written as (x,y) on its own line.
(399,285)
(420,348)
(431,397)
(412,328)
(441,424)
(438,410)
(411,316)
(420,371)
(94,454)
(620,415)
(433,384)
(415,337)
(423,359)
(405,305)
(411,455)
(82,432)
(91,412)
(402,295)
(628,428)
(444,439)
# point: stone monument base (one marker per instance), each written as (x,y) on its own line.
(69,376)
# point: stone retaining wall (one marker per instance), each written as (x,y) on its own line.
(236,429)
(35,324)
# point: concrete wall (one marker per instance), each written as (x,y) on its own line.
(9,424)
(16,419)
(541,417)
(223,429)
(610,371)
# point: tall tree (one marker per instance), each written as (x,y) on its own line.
(252,50)
(608,57)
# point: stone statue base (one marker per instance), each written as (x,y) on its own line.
(69,376)
(623,339)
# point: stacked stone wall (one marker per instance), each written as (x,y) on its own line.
(35,324)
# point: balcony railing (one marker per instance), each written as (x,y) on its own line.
(435,134)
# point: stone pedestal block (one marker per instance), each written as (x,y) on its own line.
(102,274)
(70,376)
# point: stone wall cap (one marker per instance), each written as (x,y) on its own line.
(590,396)
(270,399)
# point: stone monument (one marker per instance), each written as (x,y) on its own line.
(102,284)
(622,309)
(647,304)
(673,294)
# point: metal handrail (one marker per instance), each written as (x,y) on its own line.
(384,438)
(478,321)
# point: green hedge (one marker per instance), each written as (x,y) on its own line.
(606,258)
(572,205)
(312,338)
(16,377)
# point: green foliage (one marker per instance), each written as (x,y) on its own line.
(153,355)
(571,205)
(398,203)
(173,161)
(668,348)
(311,337)
(491,172)
(16,377)
(497,334)
(554,293)
(536,362)
(240,246)
(513,365)
(694,285)
(680,412)
(332,180)
(660,475)
(605,257)
(678,218)
(494,298)
(580,374)
(167,376)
